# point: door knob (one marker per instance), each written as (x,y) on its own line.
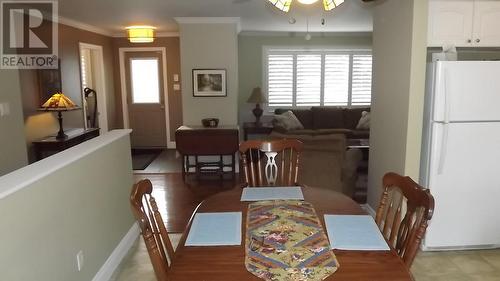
(478,40)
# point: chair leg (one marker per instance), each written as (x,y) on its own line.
(184,167)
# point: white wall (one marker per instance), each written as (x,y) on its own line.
(209,46)
(399,57)
(13,154)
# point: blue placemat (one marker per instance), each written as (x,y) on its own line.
(351,232)
(215,229)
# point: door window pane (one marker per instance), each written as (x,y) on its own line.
(145,80)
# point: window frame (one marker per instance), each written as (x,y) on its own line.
(323,51)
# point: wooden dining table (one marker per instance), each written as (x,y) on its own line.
(221,263)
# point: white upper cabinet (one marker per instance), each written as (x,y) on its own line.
(450,22)
(486,29)
(464,23)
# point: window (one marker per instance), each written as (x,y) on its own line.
(145,80)
(311,78)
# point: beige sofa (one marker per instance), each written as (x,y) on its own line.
(323,162)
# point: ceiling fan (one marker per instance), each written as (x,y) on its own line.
(284,5)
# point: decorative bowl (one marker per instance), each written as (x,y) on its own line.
(210,122)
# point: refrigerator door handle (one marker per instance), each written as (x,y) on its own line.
(442,150)
(446,97)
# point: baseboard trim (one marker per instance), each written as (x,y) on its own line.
(369,209)
(109,267)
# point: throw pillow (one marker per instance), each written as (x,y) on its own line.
(364,121)
(288,121)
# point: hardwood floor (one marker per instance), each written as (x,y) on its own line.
(178,200)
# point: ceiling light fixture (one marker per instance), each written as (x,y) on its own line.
(284,5)
(141,33)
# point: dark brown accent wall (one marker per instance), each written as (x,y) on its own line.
(172,46)
(41,124)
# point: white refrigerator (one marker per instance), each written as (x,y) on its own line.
(461,154)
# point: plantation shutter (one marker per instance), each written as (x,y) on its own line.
(336,80)
(361,79)
(280,80)
(298,78)
(308,91)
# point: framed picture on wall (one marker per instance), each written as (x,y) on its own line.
(209,83)
(49,83)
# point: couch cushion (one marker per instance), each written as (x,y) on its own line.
(352,115)
(359,134)
(288,121)
(305,116)
(333,131)
(300,132)
(328,117)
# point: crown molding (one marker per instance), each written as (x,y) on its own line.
(83,26)
(207,20)
(210,20)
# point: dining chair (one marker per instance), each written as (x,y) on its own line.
(270,163)
(153,231)
(402,216)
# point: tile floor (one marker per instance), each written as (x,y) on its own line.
(481,265)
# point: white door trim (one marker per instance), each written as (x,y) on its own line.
(123,85)
(100,85)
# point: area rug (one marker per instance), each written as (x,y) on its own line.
(141,158)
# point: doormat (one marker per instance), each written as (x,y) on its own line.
(141,158)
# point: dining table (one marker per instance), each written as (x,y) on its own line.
(221,263)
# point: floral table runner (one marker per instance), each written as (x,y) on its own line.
(285,241)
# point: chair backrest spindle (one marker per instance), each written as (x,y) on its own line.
(154,233)
(271,163)
(402,216)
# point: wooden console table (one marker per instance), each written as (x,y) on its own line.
(51,144)
(200,141)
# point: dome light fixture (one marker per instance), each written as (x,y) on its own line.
(284,5)
(140,33)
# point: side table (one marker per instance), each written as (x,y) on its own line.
(52,144)
(256,129)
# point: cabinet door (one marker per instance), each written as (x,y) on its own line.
(450,22)
(486,23)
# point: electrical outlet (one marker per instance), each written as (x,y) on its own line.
(4,109)
(80,260)
(177,87)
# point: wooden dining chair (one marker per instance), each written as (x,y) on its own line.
(153,231)
(270,163)
(403,214)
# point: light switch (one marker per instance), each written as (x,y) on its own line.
(177,87)
(176,77)
(4,109)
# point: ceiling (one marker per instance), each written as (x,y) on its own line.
(256,15)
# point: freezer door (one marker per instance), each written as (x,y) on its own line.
(466,91)
(464,178)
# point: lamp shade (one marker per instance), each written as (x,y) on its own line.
(257,96)
(141,34)
(59,102)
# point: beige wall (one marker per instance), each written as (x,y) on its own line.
(209,46)
(171,44)
(399,57)
(251,61)
(41,124)
(12,149)
(81,206)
